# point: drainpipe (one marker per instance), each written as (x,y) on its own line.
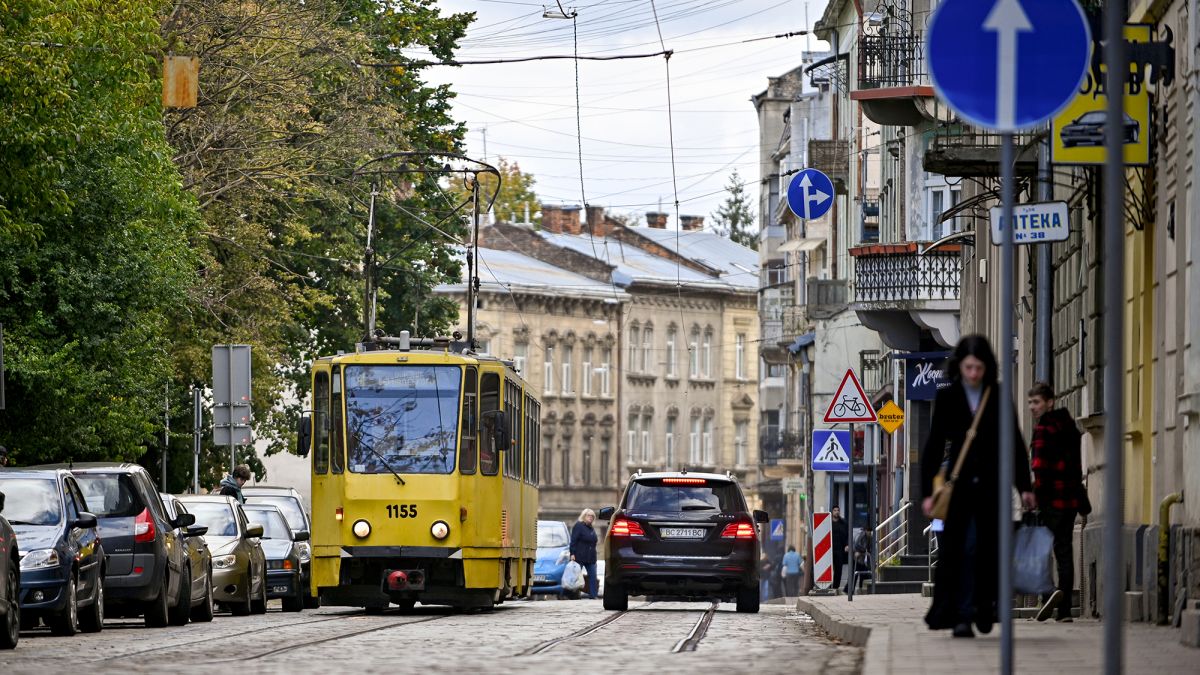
(1164,540)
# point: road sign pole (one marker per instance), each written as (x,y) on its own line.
(1045,272)
(1007,432)
(850,517)
(197,422)
(1114,339)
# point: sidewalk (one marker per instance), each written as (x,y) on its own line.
(896,641)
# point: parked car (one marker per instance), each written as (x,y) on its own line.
(1088,129)
(292,505)
(10,589)
(199,561)
(281,547)
(239,567)
(682,534)
(62,562)
(553,553)
(147,574)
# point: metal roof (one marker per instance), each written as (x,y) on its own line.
(710,249)
(512,271)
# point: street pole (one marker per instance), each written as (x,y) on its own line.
(166,434)
(197,421)
(368,272)
(473,263)
(1043,336)
(1114,339)
(1007,432)
(872,513)
(850,518)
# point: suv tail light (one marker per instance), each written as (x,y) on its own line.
(623,527)
(741,530)
(143,527)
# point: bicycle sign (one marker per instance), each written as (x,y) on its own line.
(850,403)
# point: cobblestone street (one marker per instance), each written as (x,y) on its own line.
(515,637)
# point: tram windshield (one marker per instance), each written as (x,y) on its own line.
(402,419)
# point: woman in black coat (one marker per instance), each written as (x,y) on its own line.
(966,580)
(583,548)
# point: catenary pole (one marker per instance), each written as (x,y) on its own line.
(1043,337)
(1004,405)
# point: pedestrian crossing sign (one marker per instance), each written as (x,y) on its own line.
(777,529)
(831,450)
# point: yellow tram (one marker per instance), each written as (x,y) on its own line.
(424,476)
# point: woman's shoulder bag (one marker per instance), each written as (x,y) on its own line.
(944,487)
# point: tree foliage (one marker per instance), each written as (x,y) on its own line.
(734,218)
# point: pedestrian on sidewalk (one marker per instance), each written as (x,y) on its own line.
(583,548)
(1058,485)
(765,569)
(792,572)
(840,544)
(965,582)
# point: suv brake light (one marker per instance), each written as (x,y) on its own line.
(684,481)
(742,530)
(143,527)
(623,527)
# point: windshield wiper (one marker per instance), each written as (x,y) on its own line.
(20,522)
(370,447)
(696,507)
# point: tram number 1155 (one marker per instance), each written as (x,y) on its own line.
(402,511)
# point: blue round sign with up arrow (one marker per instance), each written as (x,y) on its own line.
(1008,64)
(810,194)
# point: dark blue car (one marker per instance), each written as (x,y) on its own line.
(553,554)
(62,561)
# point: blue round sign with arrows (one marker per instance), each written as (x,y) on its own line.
(1008,65)
(810,194)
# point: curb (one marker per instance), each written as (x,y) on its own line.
(874,640)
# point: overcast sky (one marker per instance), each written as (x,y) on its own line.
(528,110)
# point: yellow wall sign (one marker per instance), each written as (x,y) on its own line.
(1077,134)
(890,417)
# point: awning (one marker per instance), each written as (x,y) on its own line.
(802,342)
(809,244)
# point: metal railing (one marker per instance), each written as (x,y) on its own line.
(890,537)
(906,275)
(931,541)
(891,61)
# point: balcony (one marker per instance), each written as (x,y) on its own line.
(893,86)
(780,448)
(959,150)
(831,158)
(826,297)
(906,294)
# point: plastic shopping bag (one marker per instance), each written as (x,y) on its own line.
(1032,566)
(572,579)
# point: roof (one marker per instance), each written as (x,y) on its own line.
(223,499)
(683,474)
(267,489)
(31,471)
(504,271)
(93,467)
(738,264)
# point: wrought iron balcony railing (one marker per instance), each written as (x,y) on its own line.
(896,60)
(775,445)
(898,272)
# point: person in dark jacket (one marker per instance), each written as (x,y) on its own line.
(840,535)
(583,548)
(1057,484)
(231,485)
(965,582)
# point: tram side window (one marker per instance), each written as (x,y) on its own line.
(527,441)
(489,401)
(468,455)
(512,406)
(321,423)
(339,446)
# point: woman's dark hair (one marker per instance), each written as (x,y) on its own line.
(977,346)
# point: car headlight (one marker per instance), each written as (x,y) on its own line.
(40,559)
(566,555)
(224,562)
(361,529)
(440,530)
(304,551)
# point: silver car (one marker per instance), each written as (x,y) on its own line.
(239,576)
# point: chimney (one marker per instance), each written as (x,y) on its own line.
(656,220)
(691,223)
(598,224)
(552,218)
(570,220)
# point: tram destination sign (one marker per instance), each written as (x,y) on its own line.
(1034,223)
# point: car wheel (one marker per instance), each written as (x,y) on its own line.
(747,600)
(259,606)
(295,603)
(11,630)
(67,621)
(156,615)
(182,611)
(203,613)
(92,621)
(311,601)
(616,599)
(243,608)
(373,610)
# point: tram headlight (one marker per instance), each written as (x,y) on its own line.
(361,529)
(440,530)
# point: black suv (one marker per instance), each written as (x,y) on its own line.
(147,572)
(682,535)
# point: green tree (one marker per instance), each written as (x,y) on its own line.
(516,193)
(734,218)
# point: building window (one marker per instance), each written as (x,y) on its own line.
(604,455)
(587,460)
(647,449)
(671,335)
(568,383)
(586,374)
(647,350)
(694,441)
(635,339)
(708,335)
(669,442)
(522,355)
(548,458)
(708,441)
(739,356)
(741,442)
(548,371)
(566,460)
(631,439)
(606,373)
(694,354)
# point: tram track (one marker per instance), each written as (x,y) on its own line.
(689,643)
(331,638)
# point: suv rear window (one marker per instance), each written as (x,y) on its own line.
(286,504)
(110,495)
(676,495)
